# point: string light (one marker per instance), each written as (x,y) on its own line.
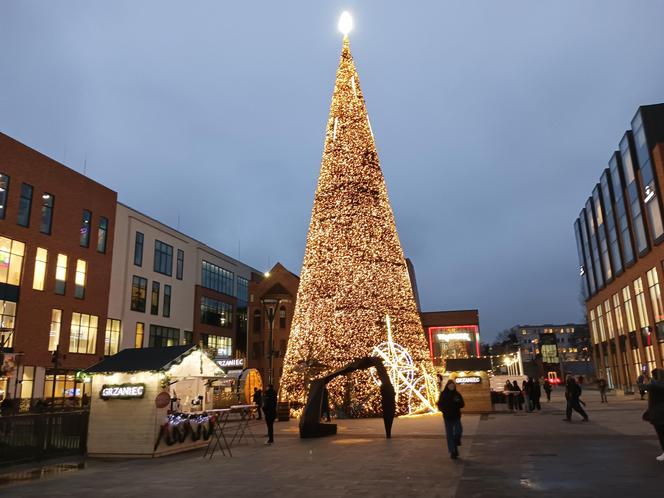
(354,272)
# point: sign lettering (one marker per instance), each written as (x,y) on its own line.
(468,380)
(122,391)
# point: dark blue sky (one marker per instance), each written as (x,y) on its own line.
(493,122)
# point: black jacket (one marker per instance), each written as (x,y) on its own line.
(656,402)
(258,398)
(270,403)
(450,403)
(572,391)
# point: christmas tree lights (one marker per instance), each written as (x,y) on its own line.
(354,272)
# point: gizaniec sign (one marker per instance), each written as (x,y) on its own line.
(122,391)
(468,380)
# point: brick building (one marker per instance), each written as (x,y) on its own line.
(619,236)
(278,291)
(56,241)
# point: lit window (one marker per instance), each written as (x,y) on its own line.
(154,305)
(11,261)
(54,334)
(140,332)
(7,319)
(655,295)
(139,291)
(25,205)
(102,234)
(640,303)
(61,274)
(86,227)
(163,336)
(41,258)
(112,337)
(83,335)
(222,345)
(81,270)
(629,311)
(4,190)
(46,213)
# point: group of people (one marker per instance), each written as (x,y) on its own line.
(527,395)
(266,402)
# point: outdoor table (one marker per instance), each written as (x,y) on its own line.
(218,438)
(246,413)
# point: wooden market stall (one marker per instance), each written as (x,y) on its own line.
(472,378)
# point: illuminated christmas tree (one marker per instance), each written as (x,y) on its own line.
(354,273)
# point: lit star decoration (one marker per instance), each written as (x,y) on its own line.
(354,272)
(419,391)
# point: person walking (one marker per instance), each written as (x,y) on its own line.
(536,394)
(450,403)
(258,401)
(573,397)
(547,389)
(642,382)
(518,398)
(270,411)
(507,391)
(655,412)
(525,389)
(602,386)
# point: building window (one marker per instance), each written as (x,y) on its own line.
(257,322)
(86,220)
(25,205)
(617,311)
(46,213)
(629,311)
(187,338)
(163,258)
(54,334)
(61,274)
(27,382)
(167,301)
(102,234)
(621,213)
(223,345)
(632,194)
(179,270)
(640,303)
(242,289)
(138,249)
(154,301)
(138,337)
(83,335)
(655,295)
(7,319)
(80,277)
(163,336)
(4,191)
(112,337)
(139,291)
(215,312)
(282,317)
(600,322)
(41,259)
(609,319)
(217,278)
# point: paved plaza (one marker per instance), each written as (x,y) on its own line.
(502,455)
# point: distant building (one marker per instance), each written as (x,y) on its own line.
(275,293)
(451,334)
(619,236)
(547,346)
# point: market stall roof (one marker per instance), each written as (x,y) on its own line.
(467,364)
(142,359)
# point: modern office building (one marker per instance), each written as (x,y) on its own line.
(168,288)
(56,246)
(619,235)
(272,296)
(451,334)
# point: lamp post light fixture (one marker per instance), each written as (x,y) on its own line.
(271,305)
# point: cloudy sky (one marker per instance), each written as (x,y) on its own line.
(493,122)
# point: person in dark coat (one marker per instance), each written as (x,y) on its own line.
(547,389)
(518,397)
(450,403)
(573,397)
(270,411)
(535,394)
(655,412)
(603,386)
(507,391)
(258,401)
(325,405)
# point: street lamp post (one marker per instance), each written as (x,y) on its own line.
(271,305)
